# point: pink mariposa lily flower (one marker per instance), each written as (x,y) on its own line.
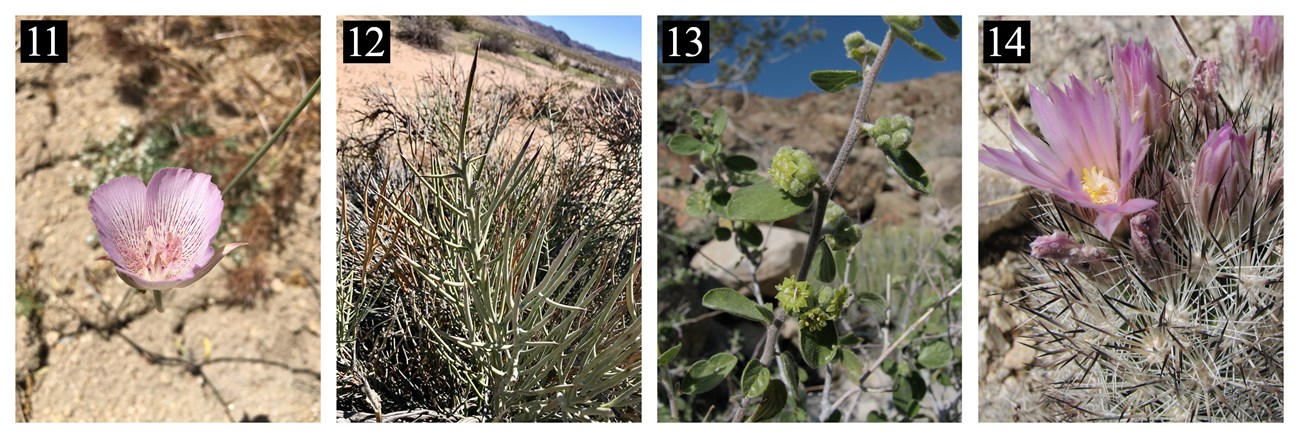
(159,237)
(1091,153)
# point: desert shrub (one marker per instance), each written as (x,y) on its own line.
(545,52)
(488,270)
(497,42)
(424,32)
(459,23)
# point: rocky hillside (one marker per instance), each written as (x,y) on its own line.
(557,36)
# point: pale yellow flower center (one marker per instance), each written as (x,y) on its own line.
(1102,190)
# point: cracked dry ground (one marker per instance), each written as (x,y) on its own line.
(76,360)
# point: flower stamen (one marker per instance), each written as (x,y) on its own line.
(1102,190)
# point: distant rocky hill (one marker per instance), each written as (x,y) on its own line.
(557,36)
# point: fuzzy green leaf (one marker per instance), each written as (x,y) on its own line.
(901,32)
(947,25)
(750,235)
(773,404)
(755,378)
(851,362)
(719,121)
(786,362)
(818,346)
(740,163)
(927,51)
(824,263)
(764,202)
(877,417)
(831,81)
(733,302)
(910,169)
(934,355)
(669,354)
(707,374)
(683,144)
(873,301)
(908,393)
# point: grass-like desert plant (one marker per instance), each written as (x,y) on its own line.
(486,270)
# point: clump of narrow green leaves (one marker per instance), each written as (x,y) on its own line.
(473,288)
(794,171)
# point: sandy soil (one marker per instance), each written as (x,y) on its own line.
(202,359)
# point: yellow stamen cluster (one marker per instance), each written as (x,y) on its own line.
(1102,190)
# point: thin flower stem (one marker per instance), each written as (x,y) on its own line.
(284,126)
(157,301)
(824,193)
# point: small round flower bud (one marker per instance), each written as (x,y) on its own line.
(793,171)
(892,132)
(865,54)
(843,234)
(854,40)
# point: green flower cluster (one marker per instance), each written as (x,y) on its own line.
(892,132)
(794,171)
(814,310)
(793,295)
(839,229)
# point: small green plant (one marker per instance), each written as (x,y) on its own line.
(825,293)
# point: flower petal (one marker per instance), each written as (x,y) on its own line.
(118,210)
(1106,223)
(201,271)
(186,203)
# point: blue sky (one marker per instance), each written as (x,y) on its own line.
(620,35)
(789,77)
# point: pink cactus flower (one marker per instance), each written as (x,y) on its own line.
(159,237)
(1090,155)
(1220,172)
(1138,81)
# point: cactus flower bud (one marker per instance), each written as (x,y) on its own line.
(1139,83)
(1219,174)
(794,171)
(1149,248)
(1060,247)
